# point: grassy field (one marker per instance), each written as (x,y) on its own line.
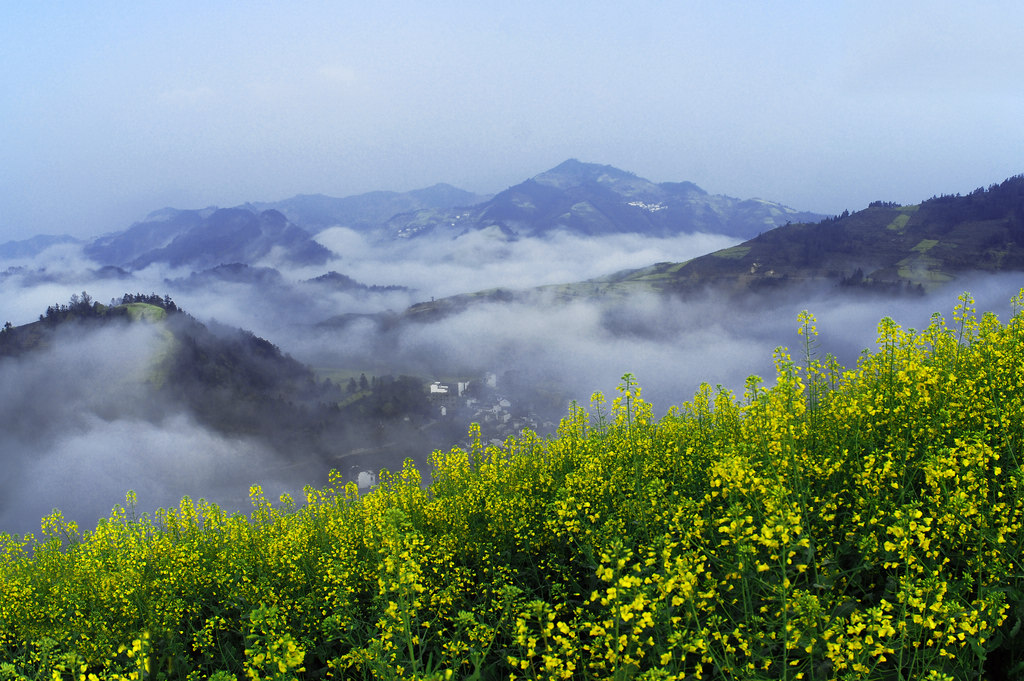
(899,223)
(862,523)
(734,253)
(145,311)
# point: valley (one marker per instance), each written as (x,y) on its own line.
(518,304)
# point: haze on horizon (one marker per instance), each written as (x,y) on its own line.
(112,110)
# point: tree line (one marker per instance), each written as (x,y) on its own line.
(84,306)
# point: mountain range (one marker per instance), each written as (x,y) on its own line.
(582,199)
(365,212)
(884,247)
(33,246)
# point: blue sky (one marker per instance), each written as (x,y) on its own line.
(112,109)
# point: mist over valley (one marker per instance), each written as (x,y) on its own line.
(305,334)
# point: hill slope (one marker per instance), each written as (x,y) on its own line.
(228,379)
(884,247)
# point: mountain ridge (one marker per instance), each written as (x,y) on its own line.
(315,212)
(206,238)
(591,199)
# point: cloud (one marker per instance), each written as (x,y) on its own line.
(480,260)
(86,471)
(671,345)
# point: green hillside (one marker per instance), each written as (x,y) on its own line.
(884,247)
(145,311)
(840,524)
(228,379)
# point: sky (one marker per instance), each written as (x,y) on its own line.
(112,109)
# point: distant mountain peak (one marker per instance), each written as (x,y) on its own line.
(162,214)
(576,172)
(591,199)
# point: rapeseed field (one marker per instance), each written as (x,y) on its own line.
(860,523)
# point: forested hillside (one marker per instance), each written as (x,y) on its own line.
(885,248)
(231,380)
(863,523)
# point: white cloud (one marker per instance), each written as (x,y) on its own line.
(478,261)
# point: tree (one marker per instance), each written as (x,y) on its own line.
(396,397)
(363,383)
(351,388)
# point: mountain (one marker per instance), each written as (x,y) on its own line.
(885,248)
(365,212)
(232,273)
(35,276)
(251,233)
(206,238)
(593,200)
(156,231)
(29,248)
(225,378)
(267,293)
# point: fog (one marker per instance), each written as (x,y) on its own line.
(670,345)
(81,426)
(480,260)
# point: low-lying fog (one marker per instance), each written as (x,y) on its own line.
(81,428)
(78,430)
